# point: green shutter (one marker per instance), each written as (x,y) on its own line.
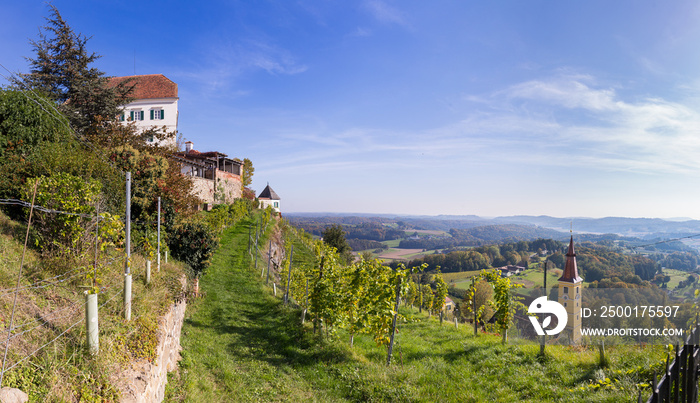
(131,115)
(151,114)
(162,113)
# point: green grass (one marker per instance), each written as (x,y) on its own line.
(457,276)
(241,344)
(676,277)
(394,243)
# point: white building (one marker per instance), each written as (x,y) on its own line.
(154,102)
(268,197)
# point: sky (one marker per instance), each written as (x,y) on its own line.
(568,109)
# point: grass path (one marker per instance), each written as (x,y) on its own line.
(240,343)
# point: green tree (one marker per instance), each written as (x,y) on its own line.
(62,69)
(335,236)
(26,121)
(25,125)
(247,172)
(149,174)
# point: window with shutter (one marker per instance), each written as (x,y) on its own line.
(157,114)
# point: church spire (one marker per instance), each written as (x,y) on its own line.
(570,274)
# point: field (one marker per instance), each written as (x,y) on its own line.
(401,254)
(242,344)
(676,277)
(534,278)
(460,280)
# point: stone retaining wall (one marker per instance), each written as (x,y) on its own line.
(146,381)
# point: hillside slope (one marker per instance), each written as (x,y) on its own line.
(47,356)
(242,344)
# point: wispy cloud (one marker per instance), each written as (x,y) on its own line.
(385,13)
(650,135)
(221,63)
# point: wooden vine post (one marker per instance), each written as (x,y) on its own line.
(393,322)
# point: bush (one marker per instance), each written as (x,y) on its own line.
(194,243)
(63,234)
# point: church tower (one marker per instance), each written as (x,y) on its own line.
(570,286)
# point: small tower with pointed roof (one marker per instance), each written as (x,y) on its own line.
(268,197)
(570,287)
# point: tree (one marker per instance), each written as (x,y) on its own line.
(26,122)
(25,125)
(248,171)
(149,176)
(62,70)
(335,236)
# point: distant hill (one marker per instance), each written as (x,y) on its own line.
(646,228)
(507,232)
(636,227)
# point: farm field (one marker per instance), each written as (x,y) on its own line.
(676,277)
(396,254)
(463,281)
(394,243)
(534,278)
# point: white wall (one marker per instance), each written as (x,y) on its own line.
(265,202)
(168,105)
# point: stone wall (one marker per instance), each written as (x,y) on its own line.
(203,188)
(277,254)
(145,382)
(230,184)
(227,183)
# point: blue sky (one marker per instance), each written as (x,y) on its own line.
(569,109)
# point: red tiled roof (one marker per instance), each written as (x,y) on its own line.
(197,154)
(148,86)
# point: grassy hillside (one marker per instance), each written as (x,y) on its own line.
(48,353)
(242,344)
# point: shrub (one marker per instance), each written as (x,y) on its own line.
(63,234)
(194,243)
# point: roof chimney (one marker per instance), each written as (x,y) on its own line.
(188,146)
